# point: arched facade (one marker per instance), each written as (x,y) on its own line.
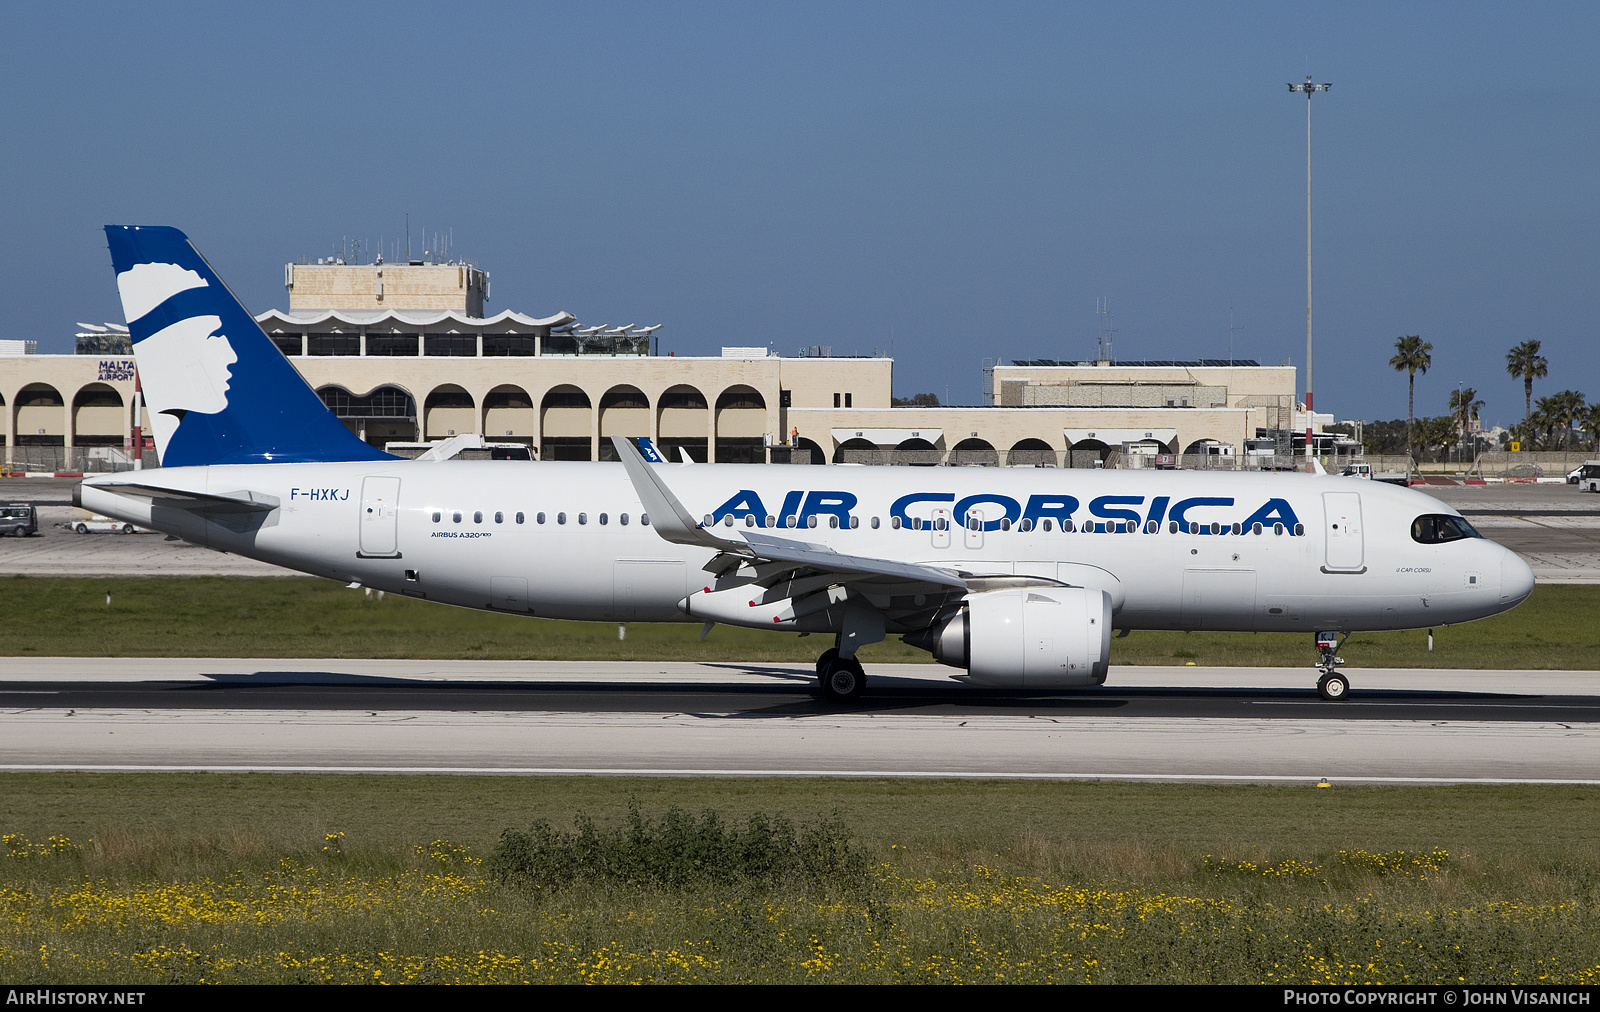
(624,411)
(683,421)
(1209,454)
(98,416)
(807,450)
(916,453)
(39,416)
(386,414)
(1088,453)
(741,425)
(857,451)
(974,453)
(1032,453)
(566,424)
(509,415)
(448,411)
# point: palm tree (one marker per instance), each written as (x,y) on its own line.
(1591,421)
(1542,422)
(1411,357)
(1525,363)
(1569,407)
(1464,409)
(1434,432)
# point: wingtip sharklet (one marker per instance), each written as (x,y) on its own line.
(669,518)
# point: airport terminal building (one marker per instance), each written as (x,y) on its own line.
(404,353)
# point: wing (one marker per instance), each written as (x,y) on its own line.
(764,580)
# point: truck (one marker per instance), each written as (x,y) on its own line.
(1366,471)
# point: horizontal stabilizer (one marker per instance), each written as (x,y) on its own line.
(195,502)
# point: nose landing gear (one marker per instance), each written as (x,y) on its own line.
(1332,686)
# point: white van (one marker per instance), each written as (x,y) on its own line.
(1588,476)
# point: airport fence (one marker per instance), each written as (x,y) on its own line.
(84,459)
(1528,464)
(1111,459)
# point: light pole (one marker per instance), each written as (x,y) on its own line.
(1309,89)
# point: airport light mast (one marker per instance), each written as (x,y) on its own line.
(1309,89)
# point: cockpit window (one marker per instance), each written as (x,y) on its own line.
(1437,528)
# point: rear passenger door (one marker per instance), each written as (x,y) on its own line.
(380,517)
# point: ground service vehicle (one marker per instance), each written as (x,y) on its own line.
(19,519)
(1016,576)
(1587,476)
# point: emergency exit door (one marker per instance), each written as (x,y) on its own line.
(380,518)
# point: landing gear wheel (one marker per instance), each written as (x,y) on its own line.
(1333,687)
(842,679)
(828,658)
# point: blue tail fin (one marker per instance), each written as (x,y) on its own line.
(218,389)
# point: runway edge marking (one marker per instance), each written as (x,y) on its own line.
(854,774)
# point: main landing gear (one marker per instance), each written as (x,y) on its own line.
(841,678)
(1332,686)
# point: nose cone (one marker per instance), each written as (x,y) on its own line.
(1516,579)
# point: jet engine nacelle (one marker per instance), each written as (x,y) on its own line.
(1032,637)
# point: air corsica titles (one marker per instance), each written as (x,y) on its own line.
(1001,511)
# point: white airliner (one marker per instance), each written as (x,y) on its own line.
(1017,576)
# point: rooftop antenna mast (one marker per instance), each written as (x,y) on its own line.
(1108,331)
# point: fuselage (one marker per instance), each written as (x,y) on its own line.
(1175,550)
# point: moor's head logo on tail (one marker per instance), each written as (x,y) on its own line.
(187,362)
(219,391)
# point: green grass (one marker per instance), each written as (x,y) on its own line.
(183,878)
(228,617)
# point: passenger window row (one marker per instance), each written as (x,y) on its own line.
(1442,525)
(1023,526)
(456,517)
(788,521)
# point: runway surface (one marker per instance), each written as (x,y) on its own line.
(1204,724)
(1160,723)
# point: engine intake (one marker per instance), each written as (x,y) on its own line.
(1031,638)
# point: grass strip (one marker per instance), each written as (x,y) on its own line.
(244,617)
(245,879)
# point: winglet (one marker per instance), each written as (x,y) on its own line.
(667,515)
(648,450)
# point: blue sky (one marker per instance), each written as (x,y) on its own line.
(955,181)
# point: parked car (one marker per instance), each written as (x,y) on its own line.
(19,519)
(91,523)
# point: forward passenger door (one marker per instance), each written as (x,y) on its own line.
(1342,529)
